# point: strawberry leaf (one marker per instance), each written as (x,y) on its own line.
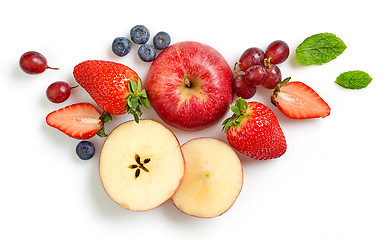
(240,112)
(136,98)
(235,110)
(138,85)
(143,93)
(101,132)
(133,85)
(134,103)
(145,102)
(106,117)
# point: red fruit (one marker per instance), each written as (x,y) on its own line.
(80,121)
(254,130)
(255,75)
(189,85)
(33,62)
(277,52)
(250,57)
(297,100)
(273,76)
(242,88)
(116,88)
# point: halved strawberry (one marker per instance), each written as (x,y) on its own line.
(80,120)
(298,100)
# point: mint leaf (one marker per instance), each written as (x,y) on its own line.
(319,48)
(353,79)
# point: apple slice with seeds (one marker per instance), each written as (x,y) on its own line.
(141,165)
(213,178)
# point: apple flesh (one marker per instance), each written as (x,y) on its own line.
(213,178)
(141,165)
(189,85)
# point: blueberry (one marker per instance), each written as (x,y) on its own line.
(121,46)
(147,53)
(85,150)
(161,40)
(139,34)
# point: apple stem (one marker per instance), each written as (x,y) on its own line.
(187,82)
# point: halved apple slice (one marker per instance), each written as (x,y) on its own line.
(141,165)
(213,178)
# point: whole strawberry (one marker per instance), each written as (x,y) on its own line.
(116,88)
(254,130)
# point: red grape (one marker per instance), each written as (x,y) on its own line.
(242,88)
(58,92)
(273,76)
(33,63)
(277,51)
(250,57)
(255,75)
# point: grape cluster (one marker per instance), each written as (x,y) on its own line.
(256,67)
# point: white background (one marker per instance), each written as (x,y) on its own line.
(328,185)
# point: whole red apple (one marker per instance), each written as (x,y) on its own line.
(189,85)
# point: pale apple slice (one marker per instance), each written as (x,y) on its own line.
(141,165)
(213,179)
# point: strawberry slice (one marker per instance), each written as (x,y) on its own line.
(298,100)
(80,120)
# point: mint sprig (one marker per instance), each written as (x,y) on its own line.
(353,79)
(240,111)
(137,97)
(319,49)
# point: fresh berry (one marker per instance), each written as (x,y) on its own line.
(85,150)
(277,52)
(139,34)
(242,88)
(116,88)
(297,100)
(33,62)
(161,40)
(58,92)
(254,130)
(250,57)
(147,53)
(255,75)
(273,76)
(121,46)
(80,120)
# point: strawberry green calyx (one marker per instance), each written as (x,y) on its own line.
(240,111)
(105,117)
(135,99)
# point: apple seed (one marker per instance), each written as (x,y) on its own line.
(139,165)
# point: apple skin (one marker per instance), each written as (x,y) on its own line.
(189,85)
